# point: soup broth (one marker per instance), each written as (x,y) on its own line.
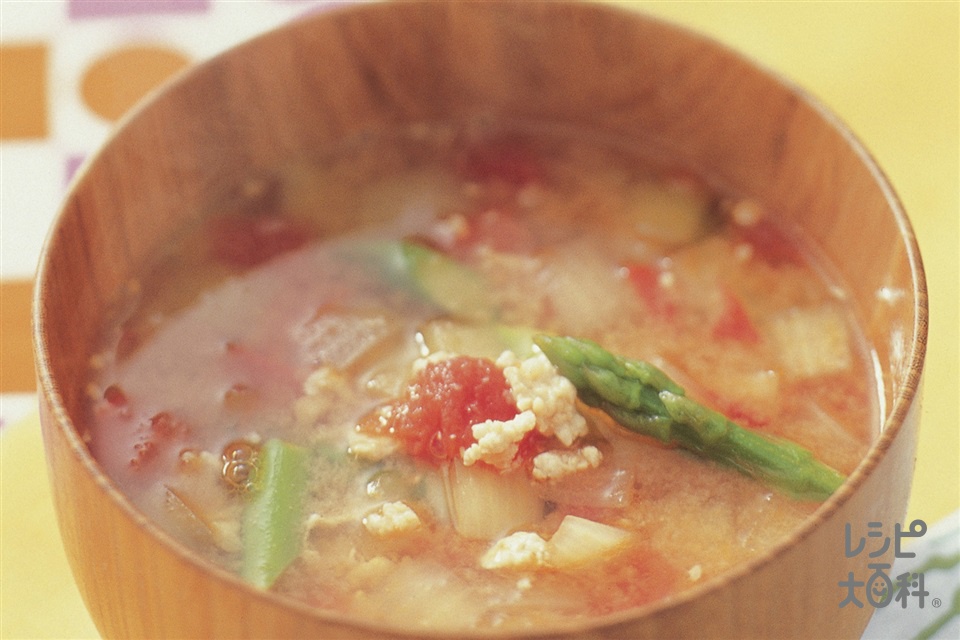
(334,383)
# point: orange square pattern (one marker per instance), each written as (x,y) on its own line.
(16,349)
(23,92)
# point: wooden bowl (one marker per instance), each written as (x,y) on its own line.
(330,75)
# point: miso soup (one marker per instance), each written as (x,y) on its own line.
(346,381)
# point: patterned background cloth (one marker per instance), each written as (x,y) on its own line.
(70,69)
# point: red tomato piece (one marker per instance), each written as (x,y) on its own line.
(161,430)
(433,420)
(115,396)
(737,412)
(530,446)
(115,404)
(646,282)
(769,243)
(144,451)
(164,427)
(247,240)
(507,159)
(733,322)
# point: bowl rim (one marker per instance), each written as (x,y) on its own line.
(904,397)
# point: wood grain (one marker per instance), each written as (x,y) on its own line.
(380,66)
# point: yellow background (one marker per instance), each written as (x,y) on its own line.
(890,70)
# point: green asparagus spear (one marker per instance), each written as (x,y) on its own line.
(272,520)
(453,286)
(643,399)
